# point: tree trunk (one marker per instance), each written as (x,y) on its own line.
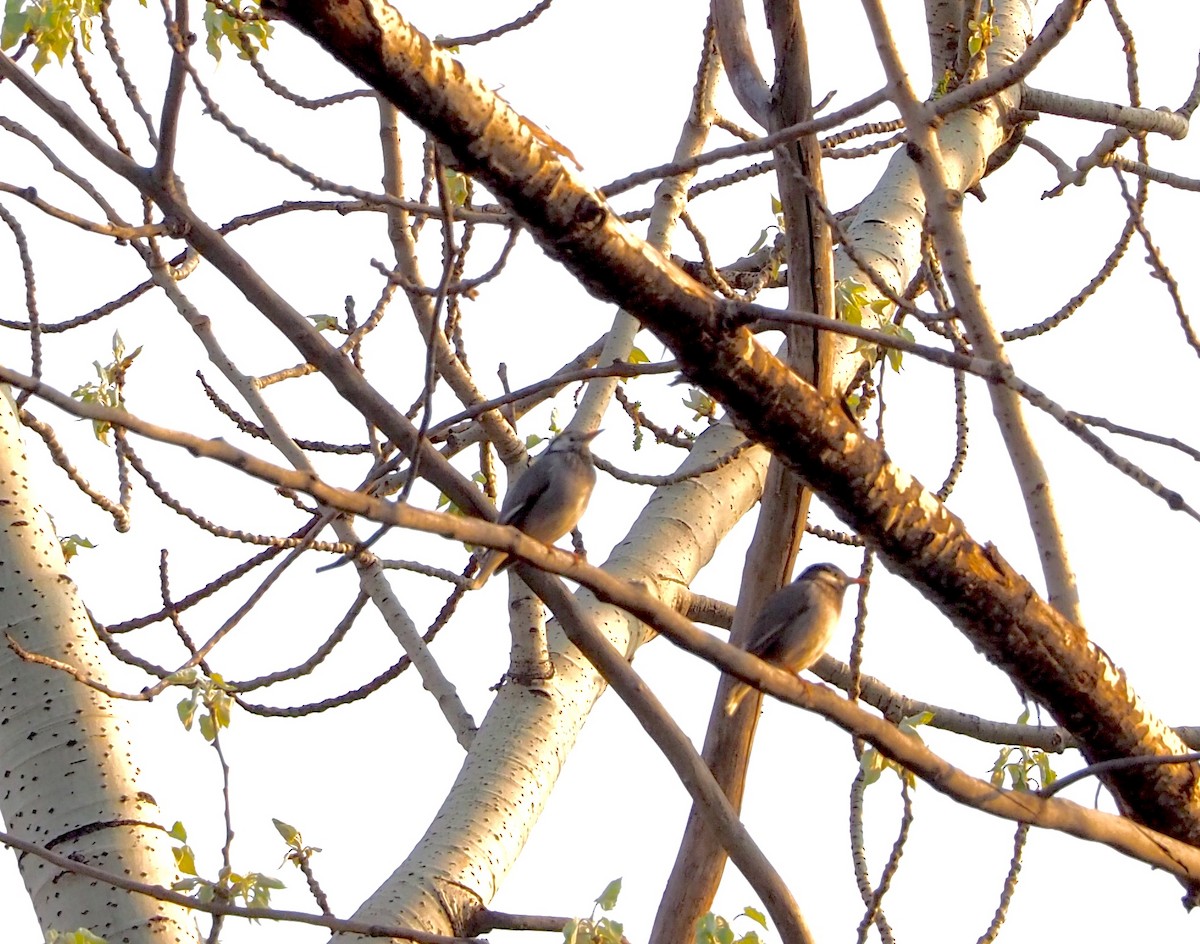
(70,782)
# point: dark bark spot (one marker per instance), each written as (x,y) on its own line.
(589,213)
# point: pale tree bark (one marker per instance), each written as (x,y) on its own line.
(69,784)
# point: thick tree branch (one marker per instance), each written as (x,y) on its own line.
(1134,120)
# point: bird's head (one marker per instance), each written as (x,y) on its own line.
(572,440)
(829,575)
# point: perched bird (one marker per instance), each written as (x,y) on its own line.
(549,498)
(796,623)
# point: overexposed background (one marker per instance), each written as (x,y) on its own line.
(612,81)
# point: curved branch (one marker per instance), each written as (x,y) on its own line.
(745,77)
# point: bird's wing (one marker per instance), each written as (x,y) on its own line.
(781,609)
(522,496)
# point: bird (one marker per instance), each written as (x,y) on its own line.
(796,623)
(550,497)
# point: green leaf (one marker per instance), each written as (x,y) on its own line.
(570,931)
(755,915)
(761,241)
(16,24)
(185,860)
(997,772)
(78,936)
(1048,774)
(608,898)
(1021,771)
(871,764)
(324,322)
(187,712)
(52,25)
(72,544)
(220,708)
(910,724)
(637,356)
(253,31)
(849,297)
(700,403)
(290,834)
(943,85)
(458,187)
(111,376)
(894,356)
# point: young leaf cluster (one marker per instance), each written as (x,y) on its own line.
(852,302)
(107,391)
(592,930)
(253,888)
(246,33)
(212,694)
(714,929)
(873,764)
(50,25)
(1029,769)
(298,852)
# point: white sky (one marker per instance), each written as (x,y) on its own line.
(612,81)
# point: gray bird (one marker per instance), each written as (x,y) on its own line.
(549,498)
(796,623)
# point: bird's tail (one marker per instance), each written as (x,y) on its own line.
(740,691)
(491,562)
